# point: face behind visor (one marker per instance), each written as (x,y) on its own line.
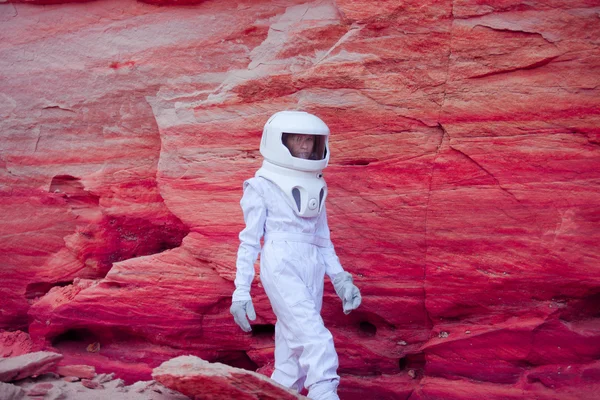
(285,126)
(306,147)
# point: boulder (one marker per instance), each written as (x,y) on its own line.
(26,365)
(199,379)
(79,371)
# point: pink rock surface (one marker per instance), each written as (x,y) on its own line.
(41,390)
(464,184)
(199,379)
(19,367)
(11,392)
(79,371)
(58,389)
(14,343)
(91,384)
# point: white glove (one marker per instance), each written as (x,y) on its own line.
(239,309)
(349,293)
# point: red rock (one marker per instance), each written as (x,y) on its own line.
(266,369)
(93,347)
(435,388)
(41,389)
(23,366)
(91,384)
(15,343)
(79,371)
(197,378)
(385,387)
(463,183)
(71,379)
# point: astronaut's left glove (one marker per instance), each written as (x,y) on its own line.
(241,309)
(350,295)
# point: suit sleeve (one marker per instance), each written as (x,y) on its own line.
(332,262)
(255,213)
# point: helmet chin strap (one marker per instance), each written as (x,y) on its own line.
(304,191)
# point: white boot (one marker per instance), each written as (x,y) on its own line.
(324,390)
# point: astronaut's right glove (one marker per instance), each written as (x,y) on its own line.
(350,295)
(239,310)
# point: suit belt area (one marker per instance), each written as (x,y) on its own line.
(280,236)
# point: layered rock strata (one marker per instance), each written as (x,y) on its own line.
(463,184)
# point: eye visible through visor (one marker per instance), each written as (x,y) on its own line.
(307,147)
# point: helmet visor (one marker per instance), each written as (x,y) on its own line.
(307,147)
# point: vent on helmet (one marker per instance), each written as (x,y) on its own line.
(296,194)
(321,198)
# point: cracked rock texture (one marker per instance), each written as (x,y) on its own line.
(199,379)
(464,184)
(26,365)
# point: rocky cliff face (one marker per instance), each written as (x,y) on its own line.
(464,184)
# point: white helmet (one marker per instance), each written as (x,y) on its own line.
(301,180)
(298,122)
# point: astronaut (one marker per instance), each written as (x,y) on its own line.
(285,203)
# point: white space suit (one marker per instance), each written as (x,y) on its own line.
(296,255)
